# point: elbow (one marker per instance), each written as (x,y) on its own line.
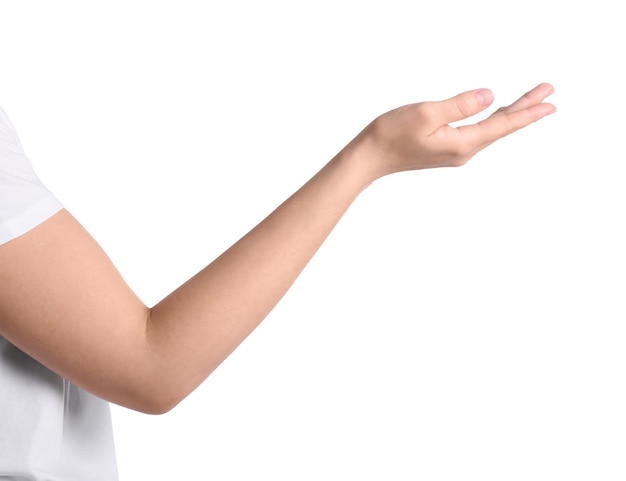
(154,406)
(148,394)
(154,401)
(156,409)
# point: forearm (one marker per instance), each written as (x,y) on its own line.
(212,313)
(67,306)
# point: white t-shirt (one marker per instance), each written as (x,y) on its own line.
(49,429)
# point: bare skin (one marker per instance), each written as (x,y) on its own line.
(63,302)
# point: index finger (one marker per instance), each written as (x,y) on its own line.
(505,122)
(532,97)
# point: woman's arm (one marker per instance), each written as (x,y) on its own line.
(63,302)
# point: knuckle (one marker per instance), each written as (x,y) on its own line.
(462,152)
(464,107)
(424,113)
(459,149)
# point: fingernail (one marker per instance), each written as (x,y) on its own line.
(484,97)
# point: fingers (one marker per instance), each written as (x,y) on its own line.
(472,102)
(530,98)
(527,109)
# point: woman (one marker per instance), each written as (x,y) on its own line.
(73,336)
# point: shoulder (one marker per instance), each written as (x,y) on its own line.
(24,200)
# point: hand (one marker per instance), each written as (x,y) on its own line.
(418,136)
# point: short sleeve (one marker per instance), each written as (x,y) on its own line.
(24,200)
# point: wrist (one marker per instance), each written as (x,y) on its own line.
(358,160)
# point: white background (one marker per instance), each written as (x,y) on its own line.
(458,324)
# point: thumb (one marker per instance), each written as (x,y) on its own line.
(462,106)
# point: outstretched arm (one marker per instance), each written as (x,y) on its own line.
(63,302)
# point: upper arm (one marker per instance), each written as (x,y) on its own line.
(63,302)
